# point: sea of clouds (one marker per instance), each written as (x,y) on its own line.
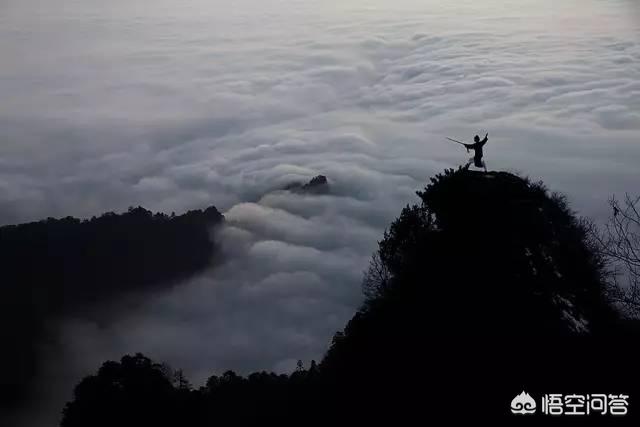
(175,105)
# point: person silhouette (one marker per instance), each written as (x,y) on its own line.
(477,148)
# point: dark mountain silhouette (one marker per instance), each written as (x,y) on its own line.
(316,185)
(67,266)
(488,287)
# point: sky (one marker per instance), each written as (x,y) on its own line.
(181,104)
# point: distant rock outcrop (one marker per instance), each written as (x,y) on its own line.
(317,185)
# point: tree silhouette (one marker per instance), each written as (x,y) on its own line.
(180,380)
(131,392)
(620,243)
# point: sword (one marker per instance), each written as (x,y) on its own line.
(450,139)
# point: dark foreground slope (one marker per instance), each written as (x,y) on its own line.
(59,267)
(488,287)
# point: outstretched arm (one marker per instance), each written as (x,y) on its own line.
(486,138)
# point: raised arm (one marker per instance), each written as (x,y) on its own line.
(486,138)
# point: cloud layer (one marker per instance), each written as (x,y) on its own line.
(180,105)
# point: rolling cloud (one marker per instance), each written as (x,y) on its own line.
(179,105)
